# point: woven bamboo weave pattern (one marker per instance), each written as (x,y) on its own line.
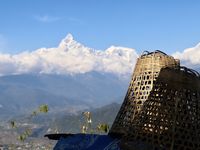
(161,110)
(146,72)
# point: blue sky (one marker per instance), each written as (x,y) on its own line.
(169,25)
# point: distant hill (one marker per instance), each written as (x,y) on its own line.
(64,122)
(21,94)
(71,123)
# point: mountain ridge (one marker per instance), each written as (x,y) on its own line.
(60,92)
(69,57)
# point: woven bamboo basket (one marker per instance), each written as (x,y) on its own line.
(170,117)
(145,74)
(161,110)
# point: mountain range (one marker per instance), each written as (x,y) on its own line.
(69,77)
(69,57)
(22,94)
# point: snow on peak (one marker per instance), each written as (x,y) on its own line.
(118,48)
(69,44)
(69,37)
(121,51)
(198,45)
(67,41)
(70,57)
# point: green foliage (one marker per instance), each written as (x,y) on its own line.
(34,113)
(21,138)
(13,124)
(103,128)
(43,108)
(27,132)
(87,125)
(84,129)
(24,135)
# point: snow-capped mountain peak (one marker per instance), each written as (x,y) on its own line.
(126,53)
(121,51)
(69,43)
(68,39)
(70,57)
(73,47)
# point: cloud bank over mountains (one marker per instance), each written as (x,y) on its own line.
(190,57)
(70,57)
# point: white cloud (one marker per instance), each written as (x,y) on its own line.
(190,57)
(70,57)
(46,18)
